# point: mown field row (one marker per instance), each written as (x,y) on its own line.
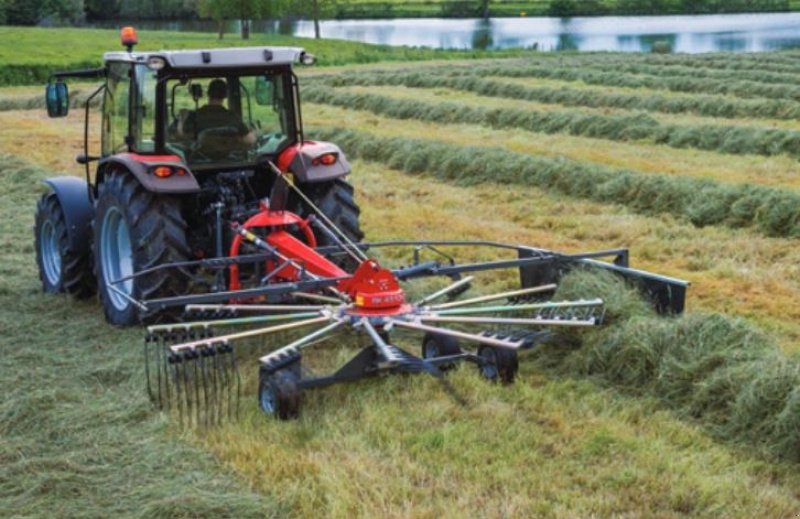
(742,89)
(729,139)
(701,104)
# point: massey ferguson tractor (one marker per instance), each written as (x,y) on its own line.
(214,220)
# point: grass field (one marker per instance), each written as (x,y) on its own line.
(77,436)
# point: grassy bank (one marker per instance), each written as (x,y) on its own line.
(30,55)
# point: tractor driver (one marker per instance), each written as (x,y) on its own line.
(215,115)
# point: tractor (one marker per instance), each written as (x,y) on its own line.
(188,138)
(210,213)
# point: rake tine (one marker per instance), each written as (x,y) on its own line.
(235,370)
(165,367)
(174,360)
(217,387)
(148,339)
(187,385)
(162,344)
(196,383)
(204,383)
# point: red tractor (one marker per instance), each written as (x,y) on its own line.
(190,140)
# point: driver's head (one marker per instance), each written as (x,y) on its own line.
(218,90)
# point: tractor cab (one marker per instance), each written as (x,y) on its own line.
(213,109)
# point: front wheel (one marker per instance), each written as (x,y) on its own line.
(61,269)
(135,230)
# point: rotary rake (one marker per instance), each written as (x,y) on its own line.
(303,300)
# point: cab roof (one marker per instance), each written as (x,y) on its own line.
(215,58)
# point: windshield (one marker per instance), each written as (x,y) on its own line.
(221,121)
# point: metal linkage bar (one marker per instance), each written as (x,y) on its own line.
(491,341)
(291,348)
(239,321)
(535,321)
(446,290)
(495,297)
(254,308)
(226,339)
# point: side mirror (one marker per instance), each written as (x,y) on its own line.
(57,99)
(264,91)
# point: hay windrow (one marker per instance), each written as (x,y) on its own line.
(700,201)
(735,140)
(716,369)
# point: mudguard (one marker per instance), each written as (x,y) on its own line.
(78,208)
(141,166)
(303,161)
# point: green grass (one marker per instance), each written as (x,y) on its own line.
(30,55)
(78,437)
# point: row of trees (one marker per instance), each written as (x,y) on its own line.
(32,12)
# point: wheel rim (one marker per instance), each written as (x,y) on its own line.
(116,258)
(430,350)
(50,253)
(489,369)
(266,398)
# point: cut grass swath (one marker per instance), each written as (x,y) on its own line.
(703,202)
(635,127)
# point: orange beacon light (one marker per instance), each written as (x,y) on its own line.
(128,37)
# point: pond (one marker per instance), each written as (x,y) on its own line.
(690,34)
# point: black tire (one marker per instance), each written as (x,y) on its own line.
(279,395)
(335,200)
(437,345)
(156,234)
(61,268)
(500,364)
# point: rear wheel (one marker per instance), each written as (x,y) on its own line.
(499,364)
(335,200)
(136,230)
(61,269)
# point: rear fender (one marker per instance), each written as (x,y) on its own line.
(142,166)
(73,197)
(302,161)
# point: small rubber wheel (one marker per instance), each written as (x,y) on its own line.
(279,394)
(500,364)
(437,345)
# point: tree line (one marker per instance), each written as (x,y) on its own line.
(33,12)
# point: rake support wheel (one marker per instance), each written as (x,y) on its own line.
(61,269)
(279,395)
(500,364)
(437,345)
(135,230)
